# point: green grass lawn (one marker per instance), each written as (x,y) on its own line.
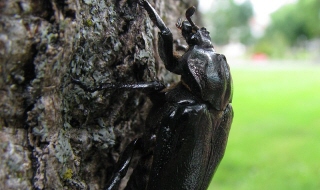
(274,143)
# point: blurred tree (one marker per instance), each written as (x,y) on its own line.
(296,21)
(228,21)
(291,26)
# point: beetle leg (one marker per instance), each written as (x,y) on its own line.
(140,175)
(122,166)
(144,86)
(180,46)
(155,17)
(165,43)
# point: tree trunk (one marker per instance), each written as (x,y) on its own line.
(53,134)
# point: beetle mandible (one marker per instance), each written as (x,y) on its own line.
(188,125)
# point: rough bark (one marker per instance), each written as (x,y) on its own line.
(53,134)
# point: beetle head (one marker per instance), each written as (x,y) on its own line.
(192,33)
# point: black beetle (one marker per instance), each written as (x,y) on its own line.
(188,125)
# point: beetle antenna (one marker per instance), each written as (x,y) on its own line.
(190,11)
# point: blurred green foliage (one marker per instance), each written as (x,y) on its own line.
(291,26)
(297,21)
(228,21)
(291,29)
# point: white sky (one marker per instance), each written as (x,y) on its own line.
(262,8)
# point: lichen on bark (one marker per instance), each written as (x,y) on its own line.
(53,134)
